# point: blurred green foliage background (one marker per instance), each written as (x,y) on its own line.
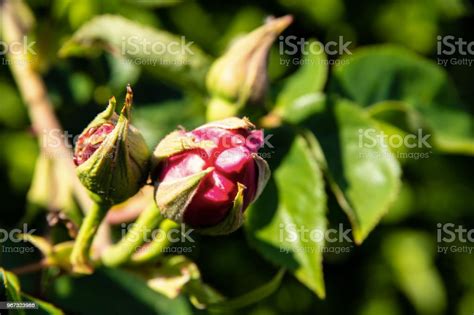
(397,270)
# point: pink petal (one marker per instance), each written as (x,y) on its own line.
(182,165)
(212,201)
(232,160)
(255,140)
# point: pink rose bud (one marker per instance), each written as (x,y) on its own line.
(207,177)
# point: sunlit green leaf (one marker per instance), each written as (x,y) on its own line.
(132,291)
(362,171)
(43,307)
(168,56)
(376,74)
(301,94)
(292,206)
(10,288)
(410,254)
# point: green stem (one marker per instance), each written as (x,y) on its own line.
(121,252)
(156,247)
(82,246)
(249,298)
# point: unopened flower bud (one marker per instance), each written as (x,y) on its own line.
(239,77)
(207,177)
(111,155)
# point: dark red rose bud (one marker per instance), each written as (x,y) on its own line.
(207,177)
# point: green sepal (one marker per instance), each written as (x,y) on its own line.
(176,142)
(173,196)
(106,116)
(263,174)
(231,123)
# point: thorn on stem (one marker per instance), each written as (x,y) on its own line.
(129,96)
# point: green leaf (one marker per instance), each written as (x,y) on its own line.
(404,128)
(172,275)
(43,307)
(396,113)
(154,3)
(365,177)
(294,199)
(376,74)
(164,54)
(155,121)
(81,295)
(410,255)
(10,287)
(176,275)
(301,94)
